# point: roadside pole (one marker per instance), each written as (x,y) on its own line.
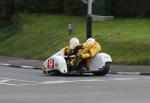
(89,27)
(89,18)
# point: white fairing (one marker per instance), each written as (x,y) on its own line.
(99,61)
(60,53)
(59,63)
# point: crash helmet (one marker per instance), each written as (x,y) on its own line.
(90,41)
(74,42)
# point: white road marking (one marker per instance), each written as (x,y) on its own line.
(4,64)
(147,77)
(122,79)
(2,81)
(19,80)
(128,73)
(55,82)
(28,67)
(91,80)
(8,84)
(5,81)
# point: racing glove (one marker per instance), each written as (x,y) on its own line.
(85,56)
(76,49)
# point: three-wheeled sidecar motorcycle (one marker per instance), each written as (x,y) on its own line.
(59,64)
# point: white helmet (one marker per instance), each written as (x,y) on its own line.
(74,42)
(90,41)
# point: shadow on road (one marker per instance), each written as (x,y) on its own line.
(73,75)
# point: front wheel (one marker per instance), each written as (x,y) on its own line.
(43,69)
(54,73)
(103,71)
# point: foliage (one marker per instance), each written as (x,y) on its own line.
(131,8)
(44,6)
(7,11)
(74,7)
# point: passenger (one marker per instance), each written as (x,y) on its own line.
(86,52)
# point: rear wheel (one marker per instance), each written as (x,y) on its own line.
(103,71)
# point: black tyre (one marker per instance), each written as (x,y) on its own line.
(43,70)
(103,71)
(54,73)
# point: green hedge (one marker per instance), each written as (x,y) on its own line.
(74,7)
(70,7)
(44,6)
(120,8)
(7,10)
(131,8)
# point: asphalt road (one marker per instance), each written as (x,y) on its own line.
(30,86)
(5,60)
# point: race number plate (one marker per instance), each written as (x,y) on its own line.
(50,64)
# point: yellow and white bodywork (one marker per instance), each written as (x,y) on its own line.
(58,63)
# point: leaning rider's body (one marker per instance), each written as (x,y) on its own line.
(69,49)
(86,52)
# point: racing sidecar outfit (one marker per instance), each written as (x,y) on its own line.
(87,60)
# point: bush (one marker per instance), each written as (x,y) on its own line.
(7,11)
(131,8)
(74,7)
(44,6)
(70,7)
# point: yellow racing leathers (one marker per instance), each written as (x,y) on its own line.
(67,51)
(88,51)
(72,51)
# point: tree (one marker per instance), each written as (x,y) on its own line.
(7,10)
(74,7)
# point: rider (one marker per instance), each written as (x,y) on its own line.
(73,43)
(89,49)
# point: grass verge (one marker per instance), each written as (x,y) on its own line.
(41,35)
